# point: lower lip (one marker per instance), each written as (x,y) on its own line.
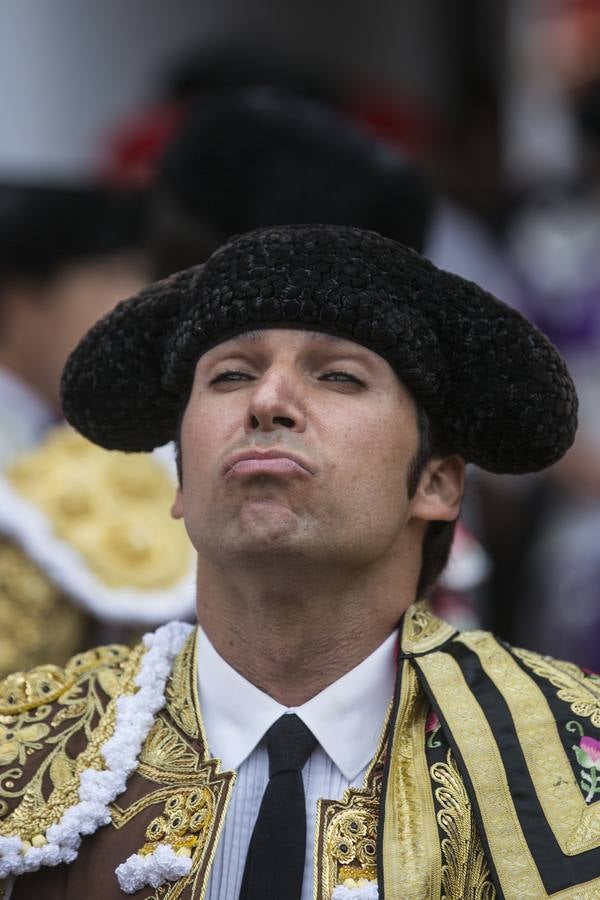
(278,466)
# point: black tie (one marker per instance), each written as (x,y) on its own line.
(275,861)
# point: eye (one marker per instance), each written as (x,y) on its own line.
(342,378)
(230,375)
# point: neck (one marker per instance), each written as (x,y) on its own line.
(295,632)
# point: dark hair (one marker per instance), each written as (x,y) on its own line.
(44,228)
(437,542)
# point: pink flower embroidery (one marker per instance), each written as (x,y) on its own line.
(591,749)
(433,723)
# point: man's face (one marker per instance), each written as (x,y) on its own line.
(296,443)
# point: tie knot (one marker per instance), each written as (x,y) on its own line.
(289,744)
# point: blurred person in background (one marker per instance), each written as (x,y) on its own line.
(553,243)
(68,254)
(261,156)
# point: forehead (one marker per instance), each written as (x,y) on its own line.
(294,339)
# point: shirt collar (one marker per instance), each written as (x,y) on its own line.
(346,718)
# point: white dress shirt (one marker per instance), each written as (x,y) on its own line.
(346,718)
(24,417)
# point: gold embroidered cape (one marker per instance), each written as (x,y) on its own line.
(85,541)
(486,783)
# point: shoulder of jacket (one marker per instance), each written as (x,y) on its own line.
(24,691)
(53,721)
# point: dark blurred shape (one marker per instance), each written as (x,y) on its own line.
(263,156)
(233,65)
(587,109)
(44,228)
(68,254)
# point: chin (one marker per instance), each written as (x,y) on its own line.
(267,521)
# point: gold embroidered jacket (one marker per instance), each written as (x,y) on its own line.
(486,783)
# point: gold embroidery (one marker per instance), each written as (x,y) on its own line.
(411,853)
(351,839)
(422,631)
(582,694)
(40,800)
(22,691)
(516,869)
(517,872)
(346,833)
(184,822)
(165,746)
(111,507)
(179,784)
(174,756)
(17,742)
(574,823)
(37,623)
(465,874)
(183,686)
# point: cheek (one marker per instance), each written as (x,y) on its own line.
(373,456)
(208,428)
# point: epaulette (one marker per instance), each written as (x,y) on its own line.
(97,524)
(50,721)
(69,739)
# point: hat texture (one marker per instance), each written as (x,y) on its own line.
(496,390)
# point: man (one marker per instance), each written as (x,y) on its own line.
(320,734)
(68,253)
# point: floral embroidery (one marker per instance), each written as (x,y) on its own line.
(432,726)
(588,757)
(16,743)
(98,787)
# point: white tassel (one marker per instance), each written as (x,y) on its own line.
(356,890)
(152,870)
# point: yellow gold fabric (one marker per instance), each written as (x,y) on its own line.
(38,624)
(583,697)
(465,872)
(111,507)
(576,825)
(516,868)
(423,632)
(411,856)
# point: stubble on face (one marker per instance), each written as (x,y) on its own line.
(332,404)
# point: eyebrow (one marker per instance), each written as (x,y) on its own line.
(252,337)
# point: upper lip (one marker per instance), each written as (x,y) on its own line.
(273,453)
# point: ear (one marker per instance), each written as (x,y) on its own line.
(440,491)
(177,507)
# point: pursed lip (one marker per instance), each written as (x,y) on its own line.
(259,455)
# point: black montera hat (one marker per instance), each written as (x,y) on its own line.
(497,391)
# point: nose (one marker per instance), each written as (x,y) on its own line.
(276,402)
